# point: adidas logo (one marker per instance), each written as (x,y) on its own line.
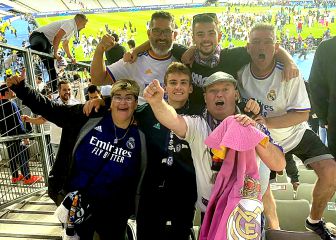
(157,126)
(99,128)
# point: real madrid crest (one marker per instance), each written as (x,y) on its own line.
(130,144)
(271,95)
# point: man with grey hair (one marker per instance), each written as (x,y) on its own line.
(285,112)
(152,64)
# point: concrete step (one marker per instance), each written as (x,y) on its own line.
(31,219)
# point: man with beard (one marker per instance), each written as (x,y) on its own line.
(150,65)
(210,58)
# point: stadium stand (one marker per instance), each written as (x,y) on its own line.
(18,7)
(307,176)
(282,178)
(282,191)
(47,6)
(107,3)
(329,213)
(304,191)
(289,235)
(295,210)
(123,3)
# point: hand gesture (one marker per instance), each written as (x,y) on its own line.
(15,80)
(107,42)
(244,120)
(290,71)
(252,106)
(188,56)
(93,104)
(130,57)
(153,92)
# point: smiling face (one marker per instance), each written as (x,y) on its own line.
(262,47)
(178,88)
(65,92)
(220,99)
(123,105)
(161,36)
(206,37)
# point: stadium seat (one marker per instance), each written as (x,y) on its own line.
(307,176)
(197,222)
(304,191)
(329,213)
(282,191)
(292,214)
(282,178)
(290,235)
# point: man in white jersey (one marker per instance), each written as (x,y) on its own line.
(150,65)
(49,37)
(285,112)
(220,97)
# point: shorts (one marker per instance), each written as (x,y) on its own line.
(309,150)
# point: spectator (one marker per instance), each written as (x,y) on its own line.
(11,125)
(220,95)
(48,37)
(322,84)
(131,44)
(286,110)
(116,52)
(94,92)
(147,67)
(101,156)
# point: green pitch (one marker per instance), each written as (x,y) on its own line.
(139,19)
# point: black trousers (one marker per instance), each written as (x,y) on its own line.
(19,158)
(155,212)
(39,42)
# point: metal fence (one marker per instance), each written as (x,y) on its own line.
(27,157)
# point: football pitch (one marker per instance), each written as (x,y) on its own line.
(139,19)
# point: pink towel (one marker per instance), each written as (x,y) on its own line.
(234,209)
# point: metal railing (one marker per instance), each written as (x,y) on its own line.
(18,156)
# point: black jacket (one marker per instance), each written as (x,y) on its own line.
(75,125)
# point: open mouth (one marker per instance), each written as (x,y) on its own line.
(219,103)
(262,56)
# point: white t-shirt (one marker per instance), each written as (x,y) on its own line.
(278,98)
(55,131)
(143,71)
(198,130)
(50,30)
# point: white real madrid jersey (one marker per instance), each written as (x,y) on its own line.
(278,97)
(143,71)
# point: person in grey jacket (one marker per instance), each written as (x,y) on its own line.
(100,156)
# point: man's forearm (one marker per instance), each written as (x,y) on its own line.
(98,68)
(168,117)
(284,57)
(66,49)
(271,156)
(286,120)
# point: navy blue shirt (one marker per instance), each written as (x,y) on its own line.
(108,172)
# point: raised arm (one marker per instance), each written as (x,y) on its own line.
(99,75)
(165,113)
(34,120)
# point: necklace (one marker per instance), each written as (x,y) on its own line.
(116,139)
